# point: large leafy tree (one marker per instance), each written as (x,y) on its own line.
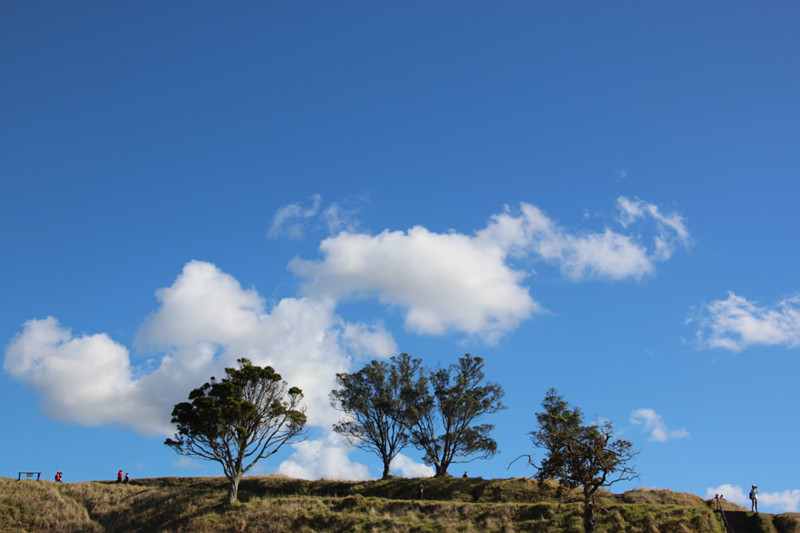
(579,456)
(376,402)
(444,419)
(236,421)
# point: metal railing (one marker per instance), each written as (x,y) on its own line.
(718,497)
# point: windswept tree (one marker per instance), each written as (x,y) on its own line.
(236,421)
(444,420)
(578,455)
(375,400)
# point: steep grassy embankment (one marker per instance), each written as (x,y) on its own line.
(275,503)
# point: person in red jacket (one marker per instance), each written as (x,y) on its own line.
(119,476)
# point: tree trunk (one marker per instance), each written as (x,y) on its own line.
(589,522)
(386,473)
(233,488)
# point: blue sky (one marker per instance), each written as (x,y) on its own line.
(596,197)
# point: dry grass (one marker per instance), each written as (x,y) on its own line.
(787,523)
(277,504)
(41,506)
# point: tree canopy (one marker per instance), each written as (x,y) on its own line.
(443,418)
(236,421)
(578,455)
(375,400)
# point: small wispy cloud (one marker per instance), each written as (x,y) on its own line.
(294,220)
(654,424)
(671,231)
(736,323)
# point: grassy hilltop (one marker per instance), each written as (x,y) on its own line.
(276,503)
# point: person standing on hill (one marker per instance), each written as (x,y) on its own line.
(58,477)
(119,476)
(754,498)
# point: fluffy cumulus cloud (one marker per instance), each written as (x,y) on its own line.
(732,493)
(407,467)
(787,501)
(76,376)
(654,424)
(443,281)
(736,323)
(468,283)
(324,458)
(327,458)
(205,322)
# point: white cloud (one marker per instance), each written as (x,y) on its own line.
(407,467)
(731,493)
(324,458)
(671,232)
(205,322)
(787,501)
(363,340)
(737,323)
(291,220)
(343,215)
(455,282)
(583,255)
(294,220)
(75,375)
(443,281)
(653,423)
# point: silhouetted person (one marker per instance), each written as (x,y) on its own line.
(465,475)
(127,477)
(419,490)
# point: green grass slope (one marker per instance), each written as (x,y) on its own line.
(276,503)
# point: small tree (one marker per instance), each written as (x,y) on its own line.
(580,456)
(443,423)
(375,399)
(245,417)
